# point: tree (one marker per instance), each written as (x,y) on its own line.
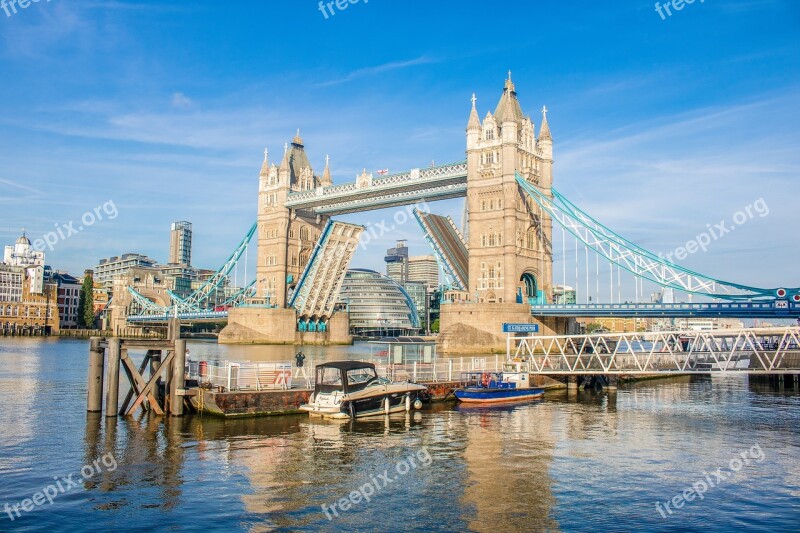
(592,327)
(86,303)
(435,326)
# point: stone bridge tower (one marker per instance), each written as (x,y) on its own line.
(510,252)
(286,237)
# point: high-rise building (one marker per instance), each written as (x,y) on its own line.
(180,244)
(397,262)
(424,269)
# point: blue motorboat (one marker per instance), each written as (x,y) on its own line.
(495,387)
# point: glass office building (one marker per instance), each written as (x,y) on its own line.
(378,306)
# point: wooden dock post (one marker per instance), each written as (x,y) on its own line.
(94,395)
(178,381)
(112,377)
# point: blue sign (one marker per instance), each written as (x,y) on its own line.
(520,328)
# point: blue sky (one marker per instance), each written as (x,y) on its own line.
(661,127)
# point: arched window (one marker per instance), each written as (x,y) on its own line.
(530,239)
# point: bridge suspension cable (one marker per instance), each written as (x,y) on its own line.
(640,262)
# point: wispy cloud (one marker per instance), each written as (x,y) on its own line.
(386,67)
(180,100)
(11,191)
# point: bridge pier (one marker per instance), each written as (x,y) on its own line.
(572,383)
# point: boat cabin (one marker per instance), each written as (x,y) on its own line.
(345,376)
(404,350)
(496,380)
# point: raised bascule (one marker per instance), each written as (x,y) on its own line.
(498,270)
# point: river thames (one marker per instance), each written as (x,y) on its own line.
(718,454)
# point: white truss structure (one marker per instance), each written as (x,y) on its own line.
(440,182)
(319,285)
(741,351)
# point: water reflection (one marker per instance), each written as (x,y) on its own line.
(573,461)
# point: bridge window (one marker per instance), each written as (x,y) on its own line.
(530,239)
(304,233)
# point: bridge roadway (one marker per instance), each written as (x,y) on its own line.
(679,310)
(765,309)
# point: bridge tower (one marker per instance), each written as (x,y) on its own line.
(286,237)
(509,238)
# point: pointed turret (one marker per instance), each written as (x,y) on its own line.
(265,164)
(326,180)
(544,131)
(473,126)
(285,160)
(474,122)
(508,107)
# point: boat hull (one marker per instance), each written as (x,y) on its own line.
(485,395)
(368,403)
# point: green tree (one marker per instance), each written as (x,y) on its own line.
(592,327)
(435,326)
(86,303)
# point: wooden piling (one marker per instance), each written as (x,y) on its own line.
(178,381)
(94,395)
(112,377)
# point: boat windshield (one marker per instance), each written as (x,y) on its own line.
(358,378)
(329,379)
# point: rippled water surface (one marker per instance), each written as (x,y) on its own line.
(576,462)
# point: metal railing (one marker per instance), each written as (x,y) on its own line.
(241,376)
(442,370)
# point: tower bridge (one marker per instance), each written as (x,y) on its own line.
(500,270)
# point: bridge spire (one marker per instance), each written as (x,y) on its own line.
(326,180)
(474,123)
(285,160)
(544,132)
(265,164)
